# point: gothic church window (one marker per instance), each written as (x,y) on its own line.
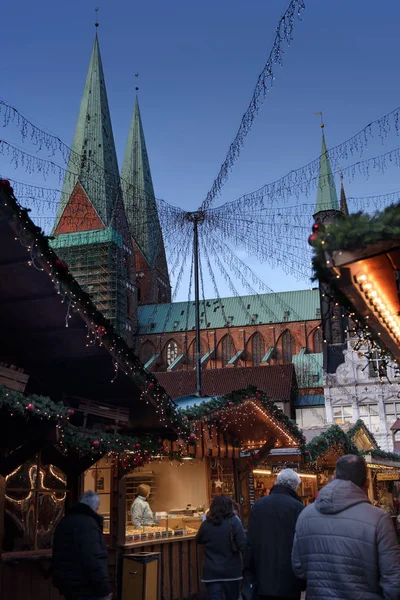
(172,352)
(257,349)
(317,340)
(287,347)
(227,350)
(147,351)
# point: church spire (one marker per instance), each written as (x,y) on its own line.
(92,170)
(343,200)
(138,192)
(326,197)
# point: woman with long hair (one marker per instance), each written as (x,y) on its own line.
(224,541)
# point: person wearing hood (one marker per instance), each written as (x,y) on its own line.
(270,540)
(344,547)
(80,557)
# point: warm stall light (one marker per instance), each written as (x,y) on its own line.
(187,458)
(265,472)
(385,313)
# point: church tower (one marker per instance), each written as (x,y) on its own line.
(91,232)
(327,212)
(153,285)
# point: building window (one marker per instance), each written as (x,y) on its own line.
(257,349)
(147,351)
(172,352)
(287,347)
(392,412)
(377,366)
(317,341)
(310,417)
(193,351)
(342,414)
(227,350)
(98,479)
(34,504)
(370,415)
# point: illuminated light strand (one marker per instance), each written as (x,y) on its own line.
(386,315)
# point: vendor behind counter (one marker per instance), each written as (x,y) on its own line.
(141,513)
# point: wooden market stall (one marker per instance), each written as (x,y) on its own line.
(71,391)
(359,257)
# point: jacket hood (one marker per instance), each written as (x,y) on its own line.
(339,495)
(84,509)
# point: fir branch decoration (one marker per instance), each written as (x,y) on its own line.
(41,407)
(208,410)
(323,442)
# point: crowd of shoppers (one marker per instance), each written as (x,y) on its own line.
(341,547)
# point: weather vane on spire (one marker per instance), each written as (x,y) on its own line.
(322,122)
(96,10)
(137,87)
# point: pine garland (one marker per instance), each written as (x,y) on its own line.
(34,406)
(206,410)
(358,230)
(357,427)
(323,442)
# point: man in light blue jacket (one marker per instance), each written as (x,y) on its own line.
(344,547)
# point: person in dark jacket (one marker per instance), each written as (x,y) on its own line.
(346,548)
(80,558)
(270,539)
(224,541)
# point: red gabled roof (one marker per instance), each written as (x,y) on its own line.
(79,214)
(277,381)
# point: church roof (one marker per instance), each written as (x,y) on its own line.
(93,160)
(138,192)
(281,307)
(326,197)
(343,200)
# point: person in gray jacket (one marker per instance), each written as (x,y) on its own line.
(344,547)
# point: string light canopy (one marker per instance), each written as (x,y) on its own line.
(99,332)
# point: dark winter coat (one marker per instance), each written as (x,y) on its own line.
(270,540)
(346,548)
(221,563)
(80,559)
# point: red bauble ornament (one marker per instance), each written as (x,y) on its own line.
(315,228)
(230,403)
(60,265)
(101,330)
(70,412)
(312,239)
(96,444)
(5,183)
(150,386)
(192,436)
(30,407)
(137,446)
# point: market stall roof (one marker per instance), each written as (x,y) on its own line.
(249,418)
(277,381)
(326,444)
(381,459)
(360,258)
(51,329)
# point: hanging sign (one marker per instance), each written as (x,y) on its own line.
(278,468)
(251,489)
(391,476)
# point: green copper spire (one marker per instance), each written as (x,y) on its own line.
(138,193)
(326,197)
(93,160)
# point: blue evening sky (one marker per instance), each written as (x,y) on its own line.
(198,64)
